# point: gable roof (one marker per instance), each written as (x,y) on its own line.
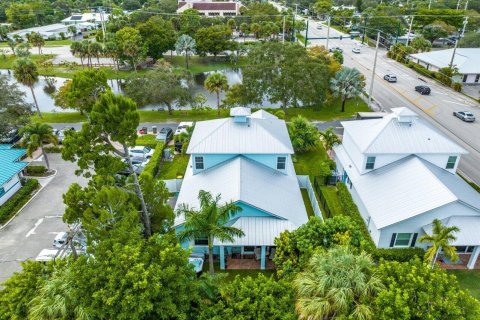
(256,136)
(262,114)
(9,166)
(406,188)
(401,132)
(254,184)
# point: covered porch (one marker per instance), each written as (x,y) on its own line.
(467,242)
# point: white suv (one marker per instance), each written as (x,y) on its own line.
(390,77)
(141,152)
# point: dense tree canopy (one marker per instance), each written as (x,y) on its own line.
(213,40)
(158,35)
(13,108)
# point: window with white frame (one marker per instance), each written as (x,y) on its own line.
(451,162)
(281,163)
(403,239)
(199,163)
(370,163)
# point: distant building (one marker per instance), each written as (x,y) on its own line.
(211,8)
(467,60)
(51,31)
(10,171)
(91,17)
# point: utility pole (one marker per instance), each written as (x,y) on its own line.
(306,34)
(466,5)
(456,42)
(398,31)
(293,28)
(103,25)
(283,40)
(373,71)
(296,8)
(364,29)
(458,4)
(410,29)
(328,31)
(429,4)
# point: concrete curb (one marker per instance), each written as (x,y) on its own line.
(33,197)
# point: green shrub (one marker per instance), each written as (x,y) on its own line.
(350,209)
(147,140)
(35,170)
(9,208)
(53,149)
(457,86)
(397,254)
(154,163)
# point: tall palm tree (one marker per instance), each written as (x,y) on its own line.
(25,71)
(440,239)
(36,40)
(348,83)
(216,82)
(337,284)
(185,45)
(73,30)
(209,222)
(96,50)
(34,137)
(330,139)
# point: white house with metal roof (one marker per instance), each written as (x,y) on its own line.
(10,171)
(401,173)
(247,159)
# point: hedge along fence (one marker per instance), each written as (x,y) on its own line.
(147,140)
(350,209)
(36,170)
(154,164)
(9,208)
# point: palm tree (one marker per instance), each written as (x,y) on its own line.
(25,71)
(255,28)
(73,30)
(348,83)
(440,239)
(330,139)
(34,137)
(337,283)
(96,50)
(209,222)
(216,82)
(185,45)
(244,30)
(37,40)
(303,133)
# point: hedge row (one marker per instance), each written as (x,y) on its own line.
(147,140)
(9,208)
(350,209)
(154,163)
(52,149)
(36,170)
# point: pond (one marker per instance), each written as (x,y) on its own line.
(46,102)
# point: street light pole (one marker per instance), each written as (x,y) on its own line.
(306,34)
(283,40)
(429,4)
(328,30)
(410,29)
(456,42)
(373,71)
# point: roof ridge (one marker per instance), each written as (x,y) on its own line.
(378,134)
(274,136)
(225,120)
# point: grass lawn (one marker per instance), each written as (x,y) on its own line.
(48,43)
(204,64)
(468,279)
(175,168)
(6,62)
(307,163)
(308,204)
(331,197)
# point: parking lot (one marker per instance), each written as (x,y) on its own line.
(39,222)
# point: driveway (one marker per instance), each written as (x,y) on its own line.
(36,225)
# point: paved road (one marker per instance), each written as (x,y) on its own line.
(36,226)
(437,108)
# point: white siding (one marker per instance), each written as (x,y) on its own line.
(415,224)
(382,160)
(353,151)
(440,160)
(10,187)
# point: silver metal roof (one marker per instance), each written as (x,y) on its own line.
(466,59)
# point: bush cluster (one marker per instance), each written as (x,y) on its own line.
(36,170)
(17,200)
(397,254)
(154,163)
(147,140)
(52,149)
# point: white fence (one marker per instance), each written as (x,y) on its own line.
(305,183)
(173,185)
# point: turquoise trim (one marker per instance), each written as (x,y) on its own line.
(5,192)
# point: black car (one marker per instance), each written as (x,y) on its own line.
(423,89)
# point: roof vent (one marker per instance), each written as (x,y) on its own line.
(405,115)
(240,114)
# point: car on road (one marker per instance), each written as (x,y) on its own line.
(141,152)
(319,27)
(333,49)
(61,133)
(356,50)
(390,77)
(464,115)
(165,134)
(182,127)
(425,90)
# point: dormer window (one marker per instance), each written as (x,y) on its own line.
(281,163)
(199,163)
(370,163)
(451,162)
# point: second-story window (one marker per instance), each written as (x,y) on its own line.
(199,163)
(281,163)
(451,162)
(370,163)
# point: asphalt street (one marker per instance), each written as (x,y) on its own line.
(437,108)
(39,222)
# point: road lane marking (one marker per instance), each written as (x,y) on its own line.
(32,231)
(461,104)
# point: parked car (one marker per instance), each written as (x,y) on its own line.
(425,90)
(182,127)
(141,152)
(356,50)
(79,240)
(464,115)
(61,133)
(390,77)
(11,137)
(332,49)
(166,134)
(319,27)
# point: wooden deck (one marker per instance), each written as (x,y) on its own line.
(247,264)
(459,265)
